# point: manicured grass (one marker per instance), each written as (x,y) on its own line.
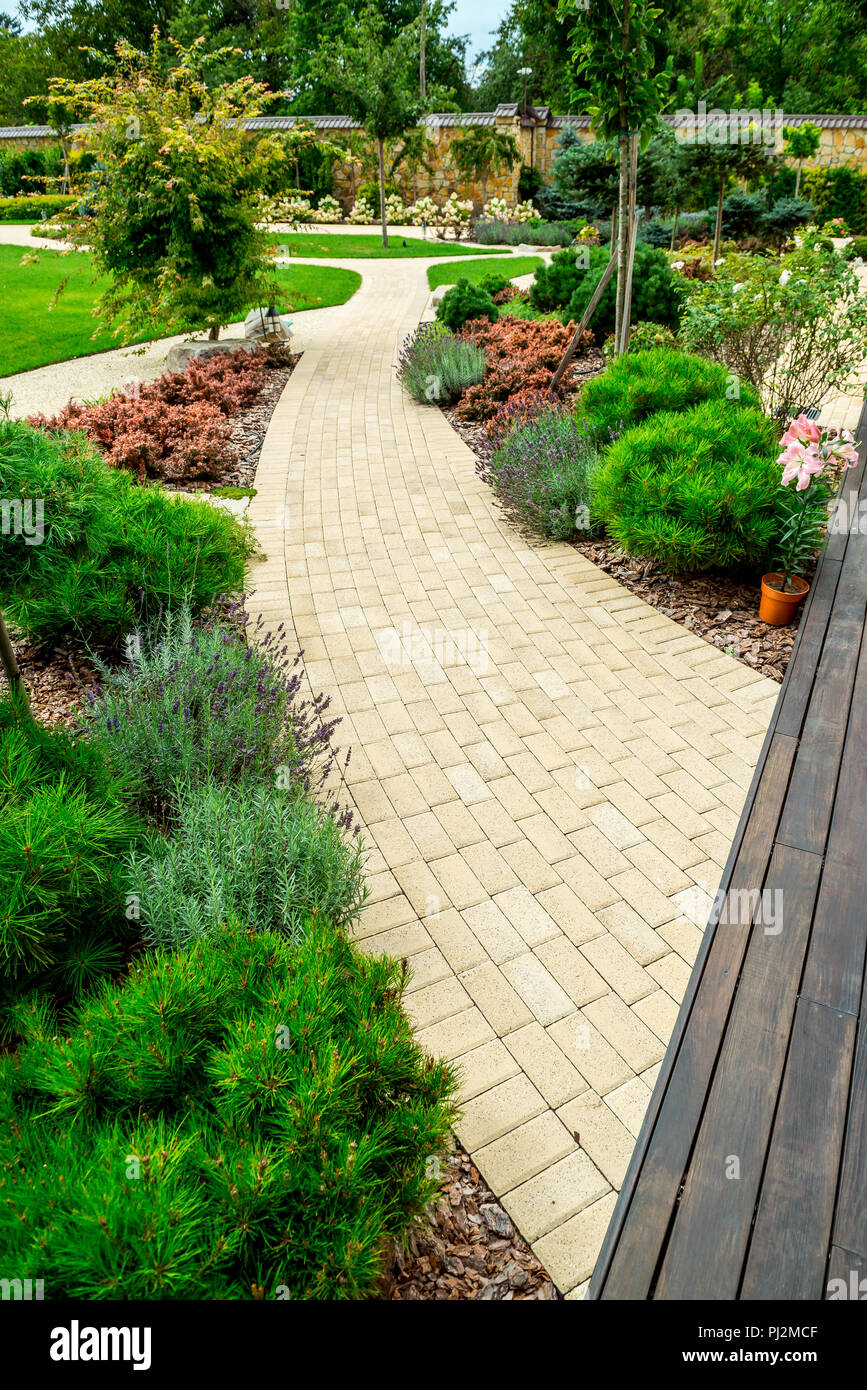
(35,335)
(474,271)
(349,245)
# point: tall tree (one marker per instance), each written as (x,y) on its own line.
(377,81)
(802,142)
(613,56)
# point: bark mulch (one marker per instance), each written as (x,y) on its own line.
(468,1249)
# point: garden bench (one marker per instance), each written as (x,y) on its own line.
(749,1178)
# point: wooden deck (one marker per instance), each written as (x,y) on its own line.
(749,1178)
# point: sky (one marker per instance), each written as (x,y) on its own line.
(477,18)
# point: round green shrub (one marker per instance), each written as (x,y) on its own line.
(656,297)
(556,282)
(465,301)
(693,490)
(638,384)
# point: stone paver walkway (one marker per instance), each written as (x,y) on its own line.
(549,772)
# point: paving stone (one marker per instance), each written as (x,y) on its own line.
(545,812)
(555,1195)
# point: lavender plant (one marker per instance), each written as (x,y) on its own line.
(270,857)
(541,474)
(435,366)
(213,702)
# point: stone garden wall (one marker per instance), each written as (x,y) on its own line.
(536,132)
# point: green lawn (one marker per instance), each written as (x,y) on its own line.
(474,271)
(351,245)
(34,335)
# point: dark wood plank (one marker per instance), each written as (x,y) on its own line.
(807,814)
(850,489)
(801,671)
(789,1247)
(850,1220)
(834,972)
(625,1270)
(740,1109)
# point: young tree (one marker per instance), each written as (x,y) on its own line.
(377,80)
(802,142)
(173,221)
(482,150)
(749,160)
(612,52)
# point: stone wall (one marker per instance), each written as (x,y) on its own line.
(536,132)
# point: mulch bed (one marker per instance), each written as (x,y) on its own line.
(468,1249)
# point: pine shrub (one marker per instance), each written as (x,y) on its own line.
(465,301)
(656,297)
(638,384)
(64,833)
(242,1115)
(113,553)
(693,490)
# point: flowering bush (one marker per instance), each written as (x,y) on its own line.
(422,210)
(520,355)
(496,208)
(174,427)
(453,217)
(524,212)
(328,210)
(813,458)
(395,210)
(209,703)
(362,213)
(290,207)
(791,328)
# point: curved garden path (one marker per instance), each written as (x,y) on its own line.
(548,771)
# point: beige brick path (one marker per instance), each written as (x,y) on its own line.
(549,786)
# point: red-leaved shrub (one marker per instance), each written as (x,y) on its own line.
(521,356)
(174,428)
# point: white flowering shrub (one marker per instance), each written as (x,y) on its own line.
(395,210)
(496,209)
(328,209)
(453,216)
(363,212)
(524,212)
(422,210)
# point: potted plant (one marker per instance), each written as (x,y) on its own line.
(813,458)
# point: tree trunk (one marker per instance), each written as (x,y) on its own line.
(717,231)
(421,73)
(613,242)
(214,334)
(622,235)
(798,178)
(674,229)
(380,145)
(7,660)
(633,237)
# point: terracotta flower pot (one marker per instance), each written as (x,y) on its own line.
(776,607)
